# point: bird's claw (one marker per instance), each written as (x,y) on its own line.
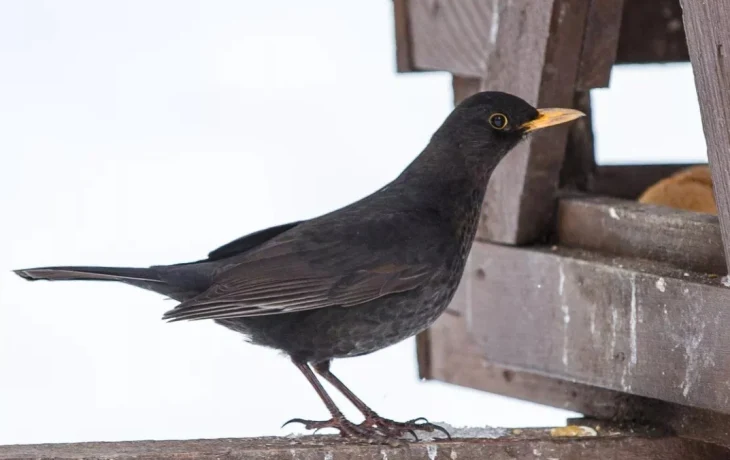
(347,429)
(374,429)
(419,419)
(398,429)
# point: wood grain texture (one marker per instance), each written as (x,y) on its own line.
(623,324)
(403,40)
(686,240)
(652,31)
(535,57)
(708,35)
(600,44)
(448,352)
(454,356)
(459,37)
(452,36)
(532,443)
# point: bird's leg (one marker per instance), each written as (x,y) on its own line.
(372,419)
(338,420)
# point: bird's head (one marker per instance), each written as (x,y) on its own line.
(474,138)
(493,122)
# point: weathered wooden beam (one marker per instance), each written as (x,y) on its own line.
(530,444)
(708,36)
(600,44)
(447,352)
(652,32)
(687,240)
(453,36)
(459,37)
(623,324)
(535,56)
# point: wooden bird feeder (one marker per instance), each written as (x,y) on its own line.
(576,295)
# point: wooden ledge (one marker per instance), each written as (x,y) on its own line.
(686,240)
(567,443)
(624,324)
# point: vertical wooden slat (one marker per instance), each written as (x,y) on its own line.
(452,35)
(600,43)
(707,24)
(535,56)
(403,40)
(579,167)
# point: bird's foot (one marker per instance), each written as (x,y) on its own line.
(395,429)
(348,429)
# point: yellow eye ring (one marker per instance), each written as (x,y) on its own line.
(498,121)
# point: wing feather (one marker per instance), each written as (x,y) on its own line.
(235,297)
(333,262)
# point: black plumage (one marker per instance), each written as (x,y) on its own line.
(360,278)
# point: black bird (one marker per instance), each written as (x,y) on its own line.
(360,278)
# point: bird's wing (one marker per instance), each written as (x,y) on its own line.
(292,275)
(250,241)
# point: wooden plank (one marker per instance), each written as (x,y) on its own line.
(530,444)
(600,44)
(403,52)
(579,165)
(629,181)
(652,32)
(460,37)
(535,56)
(453,36)
(708,36)
(623,324)
(688,241)
(448,353)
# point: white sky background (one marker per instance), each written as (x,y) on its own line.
(135,133)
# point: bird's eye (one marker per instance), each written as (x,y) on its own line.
(498,121)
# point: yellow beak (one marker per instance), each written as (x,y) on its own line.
(551,117)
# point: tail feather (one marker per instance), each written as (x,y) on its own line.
(122,274)
(176,282)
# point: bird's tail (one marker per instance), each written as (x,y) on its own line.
(121,274)
(177,282)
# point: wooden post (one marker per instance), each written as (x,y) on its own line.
(513,47)
(707,24)
(403,52)
(535,55)
(600,44)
